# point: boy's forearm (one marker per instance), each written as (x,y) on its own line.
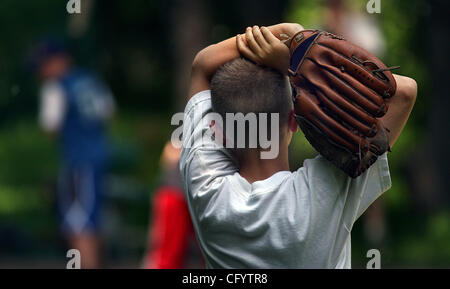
(400,107)
(214,56)
(288,29)
(209,59)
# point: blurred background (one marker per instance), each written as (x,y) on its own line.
(140,52)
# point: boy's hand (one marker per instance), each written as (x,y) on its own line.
(170,156)
(209,59)
(262,47)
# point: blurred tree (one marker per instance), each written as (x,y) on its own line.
(198,22)
(430,180)
(189,22)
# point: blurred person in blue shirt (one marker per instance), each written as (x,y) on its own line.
(75,107)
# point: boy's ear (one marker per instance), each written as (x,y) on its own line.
(292,123)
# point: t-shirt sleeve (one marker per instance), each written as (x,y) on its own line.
(372,185)
(347,197)
(204,162)
(333,202)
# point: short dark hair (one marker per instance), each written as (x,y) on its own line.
(240,86)
(45,49)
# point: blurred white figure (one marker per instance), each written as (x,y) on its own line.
(358,27)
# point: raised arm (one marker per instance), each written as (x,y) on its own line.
(400,107)
(208,60)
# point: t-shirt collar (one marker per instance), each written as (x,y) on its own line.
(261,186)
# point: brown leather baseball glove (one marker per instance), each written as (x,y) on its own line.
(341,92)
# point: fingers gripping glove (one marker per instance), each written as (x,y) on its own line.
(341,91)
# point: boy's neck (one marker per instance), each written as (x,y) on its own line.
(253,168)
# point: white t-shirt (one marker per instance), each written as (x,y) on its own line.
(298,219)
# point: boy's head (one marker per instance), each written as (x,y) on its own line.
(240,86)
(50,59)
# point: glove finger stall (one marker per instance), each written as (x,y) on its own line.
(344,108)
(307,106)
(366,64)
(345,83)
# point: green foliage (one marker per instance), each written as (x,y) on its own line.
(28,164)
(26,154)
(28,176)
(431,247)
